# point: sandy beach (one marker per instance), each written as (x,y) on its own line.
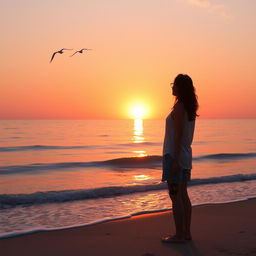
(220,229)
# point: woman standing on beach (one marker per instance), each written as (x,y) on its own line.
(177,155)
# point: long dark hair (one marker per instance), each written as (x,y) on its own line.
(186,94)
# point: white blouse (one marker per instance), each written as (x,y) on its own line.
(185,157)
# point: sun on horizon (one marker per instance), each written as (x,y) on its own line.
(138,111)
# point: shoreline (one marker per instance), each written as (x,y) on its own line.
(218,229)
(23,233)
(102,221)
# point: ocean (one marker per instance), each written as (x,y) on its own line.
(56,174)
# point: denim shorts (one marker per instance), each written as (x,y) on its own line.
(169,175)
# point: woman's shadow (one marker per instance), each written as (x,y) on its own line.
(187,249)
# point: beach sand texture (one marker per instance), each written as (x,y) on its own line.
(218,229)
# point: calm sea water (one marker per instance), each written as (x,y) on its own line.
(60,173)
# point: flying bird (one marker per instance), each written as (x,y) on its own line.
(81,51)
(60,51)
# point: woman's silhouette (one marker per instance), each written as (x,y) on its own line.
(177,155)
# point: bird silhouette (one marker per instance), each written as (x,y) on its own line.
(81,51)
(60,52)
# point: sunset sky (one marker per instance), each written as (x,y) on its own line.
(138,47)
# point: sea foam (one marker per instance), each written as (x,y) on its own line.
(12,200)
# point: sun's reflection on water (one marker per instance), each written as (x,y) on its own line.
(141,177)
(138,131)
(139,153)
(138,137)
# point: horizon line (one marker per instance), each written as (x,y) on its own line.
(37,119)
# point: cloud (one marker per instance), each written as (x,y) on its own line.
(201,3)
(211,6)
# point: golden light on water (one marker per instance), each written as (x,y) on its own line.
(138,131)
(138,127)
(141,177)
(140,153)
(138,137)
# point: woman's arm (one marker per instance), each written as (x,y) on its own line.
(179,116)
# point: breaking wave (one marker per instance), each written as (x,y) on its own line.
(126,162)
(12,200)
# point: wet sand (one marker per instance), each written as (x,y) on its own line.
(220,229)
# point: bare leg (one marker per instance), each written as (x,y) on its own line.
(187,211)
(175,192)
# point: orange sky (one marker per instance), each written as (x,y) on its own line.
(138,48)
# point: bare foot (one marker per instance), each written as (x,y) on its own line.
(173,239)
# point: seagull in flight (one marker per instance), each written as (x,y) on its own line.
(81,51)
(60,51)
